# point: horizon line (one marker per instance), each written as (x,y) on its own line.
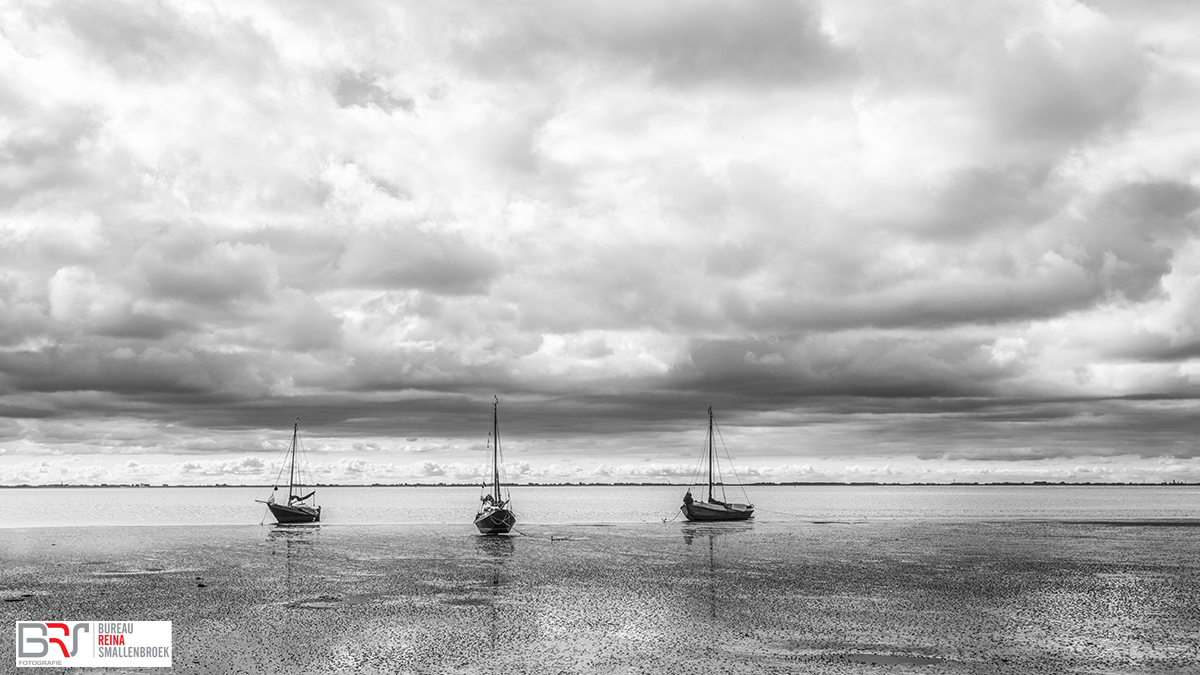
(1037,483)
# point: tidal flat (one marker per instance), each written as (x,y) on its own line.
(888,596)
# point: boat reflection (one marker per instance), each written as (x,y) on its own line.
(292,541)
(693,530)
(496,553)
(495,548)
(293,531)
(711,533)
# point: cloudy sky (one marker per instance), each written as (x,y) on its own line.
(902,241)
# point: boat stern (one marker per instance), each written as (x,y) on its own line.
(495,521)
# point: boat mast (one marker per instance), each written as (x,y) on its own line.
(710,454)
(292,470)
(496,449)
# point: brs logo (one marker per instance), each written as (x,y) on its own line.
(33,643)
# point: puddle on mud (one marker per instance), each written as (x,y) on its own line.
(892,660)
(138,573)
(333,601)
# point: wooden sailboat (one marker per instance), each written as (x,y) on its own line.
(494,516)
(714,509)
(298,508)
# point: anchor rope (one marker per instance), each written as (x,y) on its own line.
(551,537)
(810,517)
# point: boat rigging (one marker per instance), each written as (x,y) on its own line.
(714,509)
(300,507)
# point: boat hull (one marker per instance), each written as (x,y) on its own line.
(707,513)
(289,515)
(496,521)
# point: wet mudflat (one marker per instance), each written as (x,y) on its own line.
(833,597)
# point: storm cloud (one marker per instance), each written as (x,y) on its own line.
(920,241)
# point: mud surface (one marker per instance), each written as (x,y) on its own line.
(829,597)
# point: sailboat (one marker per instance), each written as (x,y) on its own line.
(298,509)
(714,509)
(494,516)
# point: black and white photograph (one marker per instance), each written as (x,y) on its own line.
(600,337)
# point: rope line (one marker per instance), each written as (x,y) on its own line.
(699,467)
(810,517)
(536,536)
(783,513)
(732,468)
(304,472)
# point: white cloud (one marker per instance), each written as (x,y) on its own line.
(216,213)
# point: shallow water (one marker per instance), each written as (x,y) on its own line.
(784,596)
(59,506)
(827,579)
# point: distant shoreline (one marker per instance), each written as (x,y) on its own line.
(682,485)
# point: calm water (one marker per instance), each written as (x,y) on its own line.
(60,507)
(849,580)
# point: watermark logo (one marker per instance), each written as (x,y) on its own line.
(91,644)
(29,646)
